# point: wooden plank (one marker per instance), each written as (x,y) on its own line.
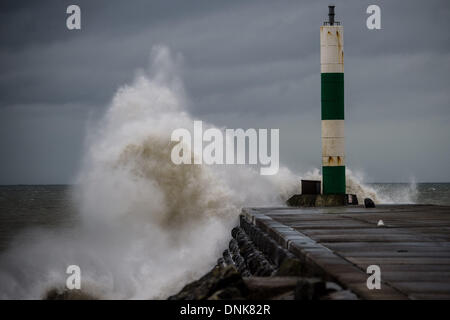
(412,250)
(385,293)
(330,225)
(352,232)
(345,247)
(416,276)
(423,287)
(368,238)
(404,268)
(430,296)
(399,260)
(394,254)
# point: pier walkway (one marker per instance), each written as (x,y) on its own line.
(412,249)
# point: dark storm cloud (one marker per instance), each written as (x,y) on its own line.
(246,63)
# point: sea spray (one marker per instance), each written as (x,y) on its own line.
(179,215)
(399,193)
(146,226)
(354,185)
(379,193)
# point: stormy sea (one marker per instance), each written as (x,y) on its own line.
(137,225)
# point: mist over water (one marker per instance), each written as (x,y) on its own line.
(379,193)
(145,226)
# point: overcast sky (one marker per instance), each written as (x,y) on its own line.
(250,64)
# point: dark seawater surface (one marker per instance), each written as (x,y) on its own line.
(25,207)
(420,193)
(34,206)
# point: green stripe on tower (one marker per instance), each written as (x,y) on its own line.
(333,180)
(332,96)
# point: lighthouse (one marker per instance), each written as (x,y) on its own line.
(332,103)
(333,139)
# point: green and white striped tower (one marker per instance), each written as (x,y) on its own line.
(332,100)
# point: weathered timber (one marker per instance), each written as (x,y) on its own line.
(412,248)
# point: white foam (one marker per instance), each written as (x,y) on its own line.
(147,226)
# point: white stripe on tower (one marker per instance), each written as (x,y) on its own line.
(331,49)
(333,143)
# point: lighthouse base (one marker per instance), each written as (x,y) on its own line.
(322,200)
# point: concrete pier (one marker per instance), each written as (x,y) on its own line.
(412,248)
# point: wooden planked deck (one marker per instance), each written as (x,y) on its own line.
(412,249)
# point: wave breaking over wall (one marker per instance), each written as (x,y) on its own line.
(146,226)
